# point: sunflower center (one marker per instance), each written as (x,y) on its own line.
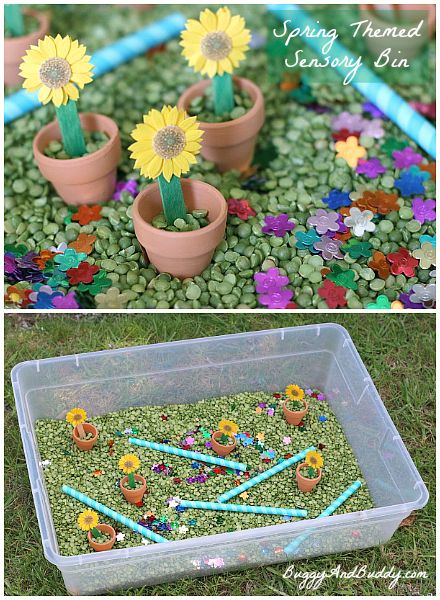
(216,45)
(128,464)
(77,417)
(55,72)
(88,520)
(169,141)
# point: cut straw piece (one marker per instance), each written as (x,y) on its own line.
(293,547)
(244,508)
(265,475)
(188,454)
(112,514)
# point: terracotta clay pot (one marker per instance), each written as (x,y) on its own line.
(229,145)
(294,417)
(89,179)
(220,449)
(305,484)
(85,444)
(15,48)
(187,253)
(107,529)
(409,17)
(136,495)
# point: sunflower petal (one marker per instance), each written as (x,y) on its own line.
(167,169)
(58,96)
(63,45)
(71,91)
(223,18)
(208,20)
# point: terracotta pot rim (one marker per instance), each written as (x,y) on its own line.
(214,435)
(298,472)
(47,161)
(100,527)
(254,91)
(137,478)
(86,425)
(173,235)
(305,404)
(43,20)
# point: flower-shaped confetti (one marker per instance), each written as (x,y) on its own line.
(305,240)
(217,43)
(112,298)
(70,259)
(425,255)
(360,221)
(265,282)
(382,303)
(391,144)
(377,201)
(83,243)
(324,221)
(87,214)
(240,208)
(100,282)
(278,225)
(43,299)
(68,301)
(342,277)
(380,265)
(348,121)
(373,129)
(406,157)
(83,273)
(276,298)
(329,248)
(334,295)
(336,199)
(343,134)
(129,186)
(407,303)
(374,111)
(357,249)
(402,263)
(430,239)
(350,151)
(429,168)
(371,168)
(409,184)
(423,210)
(424,294)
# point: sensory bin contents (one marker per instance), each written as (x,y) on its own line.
(264,438)
(203,107)
(298,231)
(94,141)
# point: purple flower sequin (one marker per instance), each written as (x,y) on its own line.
(373,129)
(406,158)
(371,167)
(270,280)
(276,298)
(374,111)
(329,248)
(279,225)
(423,210)
(346,120)
(324,221)
(129,186)
(66,302)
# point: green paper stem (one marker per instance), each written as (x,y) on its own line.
(96,533)
(14,19)
(71,131)
(223,92)
(131,481)
(172,199)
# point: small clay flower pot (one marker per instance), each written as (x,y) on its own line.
(229,145)
(89,179)
(15,47)
(305,484)
(136,495)
(85,444)
(294,417)
(108,530)
(407,17)
(221,449)
(180,253)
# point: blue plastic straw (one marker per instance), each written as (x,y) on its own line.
(366,82)
(106,59)
(265,475)
(293,547)
(188,454)
(244,508)
(113,514)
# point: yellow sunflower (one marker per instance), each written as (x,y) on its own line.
(76,416)
(55,68)
(87,520)
(294,392)
(216,43)
(129,463)
(314,460)
(166,143)
(228,427)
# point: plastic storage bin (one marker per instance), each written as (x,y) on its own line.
(321,356)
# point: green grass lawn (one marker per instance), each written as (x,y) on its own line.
(399,353)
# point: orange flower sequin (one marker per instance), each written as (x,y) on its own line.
(378,202)
(380,265)
(87,214)
(43,257)
(429,168)
(83,243)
